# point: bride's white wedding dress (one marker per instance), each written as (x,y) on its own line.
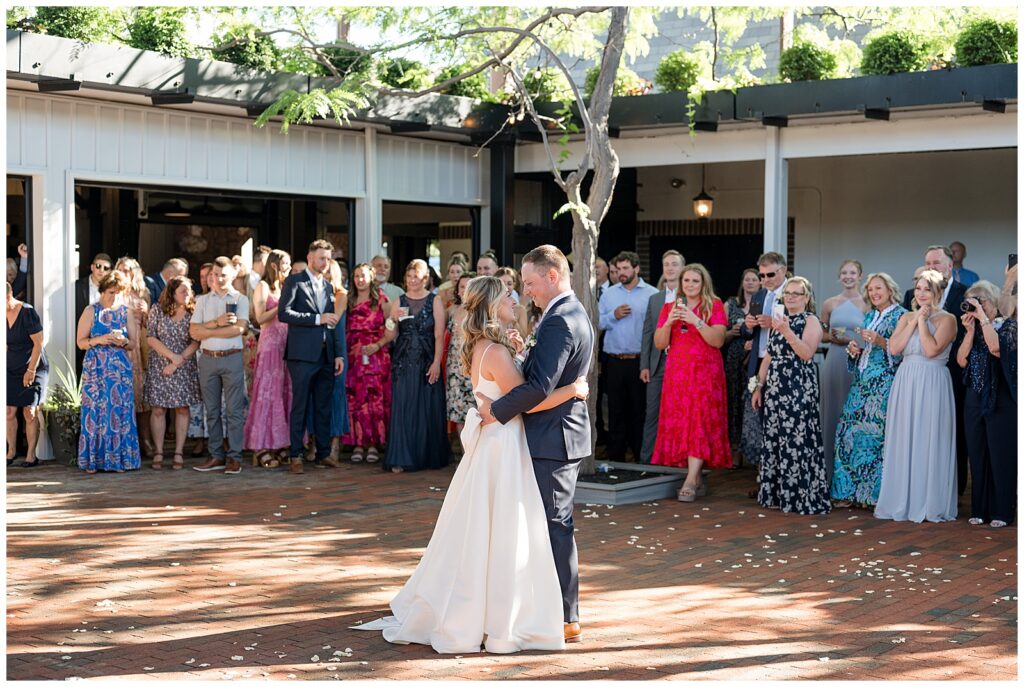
(488,576)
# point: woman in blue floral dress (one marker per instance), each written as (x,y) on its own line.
(107,333)
(860,434)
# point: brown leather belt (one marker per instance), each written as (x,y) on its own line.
(624,356)
(221,354)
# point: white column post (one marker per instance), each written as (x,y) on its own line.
(776,194)
(369,229)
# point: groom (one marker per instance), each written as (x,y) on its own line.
(559,437)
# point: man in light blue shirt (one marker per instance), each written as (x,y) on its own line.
(623,308)
(959,272)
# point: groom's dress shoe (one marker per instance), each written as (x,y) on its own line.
(573,633)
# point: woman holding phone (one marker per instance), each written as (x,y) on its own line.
(107,332)
(793,477)
(693,420)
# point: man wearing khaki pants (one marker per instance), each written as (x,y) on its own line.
(219,322)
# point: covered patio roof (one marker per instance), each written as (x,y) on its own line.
(115,72)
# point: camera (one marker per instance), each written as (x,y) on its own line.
(966,307)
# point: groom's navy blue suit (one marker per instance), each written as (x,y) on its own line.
(558,437)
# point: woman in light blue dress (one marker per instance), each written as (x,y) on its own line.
(919,462)
(860,432)
(841,316)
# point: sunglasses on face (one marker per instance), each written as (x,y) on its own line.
(794,294)
(101,266)
(766,275)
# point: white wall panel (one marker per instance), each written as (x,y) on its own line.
(14,137)
(412,170)
(34,132)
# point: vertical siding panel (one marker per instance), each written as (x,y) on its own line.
(154,141)
(83,152)
(132,142)
(198,132)
(278,172)
(238,154)
(108,139)
(15,109)
(177,146)
(333,159)
(295,158)
(59,140)
(34,126)
(217,158)
(259,158)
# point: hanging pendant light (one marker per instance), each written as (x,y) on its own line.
(703,204)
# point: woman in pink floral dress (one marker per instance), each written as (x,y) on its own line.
(369,372)
(266,425)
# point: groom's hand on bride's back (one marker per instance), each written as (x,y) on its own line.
(485,409)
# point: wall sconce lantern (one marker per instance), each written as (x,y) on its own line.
(703,204)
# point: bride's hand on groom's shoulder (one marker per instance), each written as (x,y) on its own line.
(582,388)
(485,409)
(516,339)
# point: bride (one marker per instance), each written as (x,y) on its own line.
(488,576)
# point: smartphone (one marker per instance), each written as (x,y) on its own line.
(1011,260)
(779,310)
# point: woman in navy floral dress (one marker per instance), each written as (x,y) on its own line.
(792,456)
(107,332)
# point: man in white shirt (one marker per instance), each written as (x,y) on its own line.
(219,322)
(652,360)
(382,270)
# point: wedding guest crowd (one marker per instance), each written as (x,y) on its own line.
(691,381)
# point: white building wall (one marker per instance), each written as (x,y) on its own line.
(880,209)
(61,140)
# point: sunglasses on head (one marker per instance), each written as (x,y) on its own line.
(101,266)
(766,275)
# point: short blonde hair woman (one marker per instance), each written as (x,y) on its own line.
(793,473)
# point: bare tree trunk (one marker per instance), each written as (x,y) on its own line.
(586,230)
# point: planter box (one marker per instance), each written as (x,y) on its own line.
(662,485)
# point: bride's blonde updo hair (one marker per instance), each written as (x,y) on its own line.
(481,303)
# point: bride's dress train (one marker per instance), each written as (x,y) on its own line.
(488,576)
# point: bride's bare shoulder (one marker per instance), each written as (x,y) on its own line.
(489,358)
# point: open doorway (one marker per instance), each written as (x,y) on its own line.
(428,232)
(19,233)
(155,224)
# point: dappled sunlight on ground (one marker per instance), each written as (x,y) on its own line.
(204,576)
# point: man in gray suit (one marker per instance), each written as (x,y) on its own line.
(652,360)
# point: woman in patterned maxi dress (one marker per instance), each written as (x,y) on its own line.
(109,438)
(793,477)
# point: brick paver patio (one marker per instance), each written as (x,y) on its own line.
(204,576)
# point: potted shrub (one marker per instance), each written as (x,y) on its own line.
(893,53)
(987,41)
(627,82)
(678,71)
(805,61)
(62,412)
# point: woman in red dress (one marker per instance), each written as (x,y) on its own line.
(693,427)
